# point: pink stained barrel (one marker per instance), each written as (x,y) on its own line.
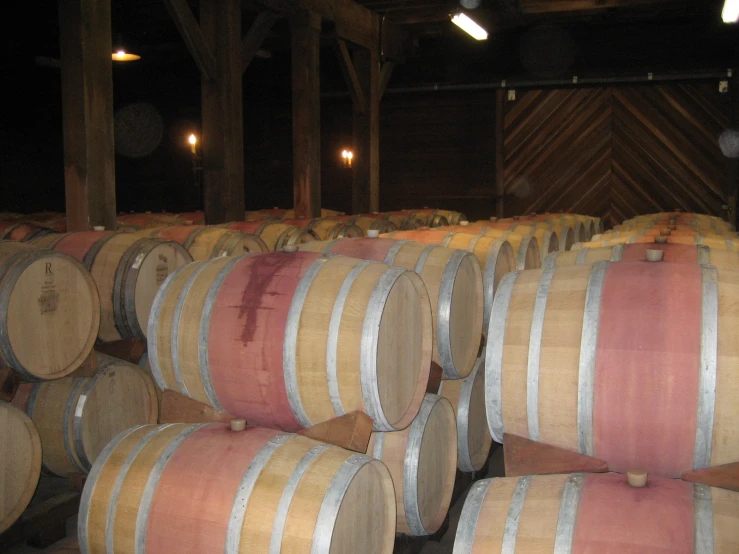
(676,253)
(362,248)
(246,334)
(178,233)
(252,227)
(79,244)
(303,223)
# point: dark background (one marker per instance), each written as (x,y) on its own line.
(437,148)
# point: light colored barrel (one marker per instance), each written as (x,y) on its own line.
(210,242)
(423,462)
(321,336)
(128,271)
(275,235)
(204,488)
(50,311)
(496,258)
(327,229)
(22,230)
(20,463)
(677,253)
(368,224)
(596,512)
(453,280)
(77,417)
(526,247)
(468,400)
(149,219)
(634,363)
(404,222)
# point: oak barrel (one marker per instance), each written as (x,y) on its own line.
(453,280)
(275,235)
(195,489)
(50,311)
(496,258)
(526,246)
(677,253)
(22,231)
(320,336)
(210,242)
(368,223)
(635,363)
(468,400)
(128,271)
(422,460)
(77,416)
(20,463)
(596,512)
(327,229)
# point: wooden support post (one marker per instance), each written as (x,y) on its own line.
(305,31)
(385,73)
(87,110)
(223,128)
(500,150)
(366,128)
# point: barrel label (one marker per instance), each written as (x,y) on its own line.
(48,301)
(162,273)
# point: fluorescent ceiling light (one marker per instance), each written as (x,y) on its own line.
(731,11)
(469,26)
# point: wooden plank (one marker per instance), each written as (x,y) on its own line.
(350,75)
(129,350)
(351,431)
(44,523)
(87,110)
(352,21)
(385,73)
(178,408)
(69,545)
(223,131)
(724,476)
(305,31)
(558,6)
(77,481)
(255,37)
(527,457)
(500,147)
(435,376)
(366,131)
(191,33)
(9,383)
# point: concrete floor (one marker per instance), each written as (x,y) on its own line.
(49,487)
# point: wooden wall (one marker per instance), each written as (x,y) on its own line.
(617,152)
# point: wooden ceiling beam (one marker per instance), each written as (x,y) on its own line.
(558,6)
(193,36)
(255,37)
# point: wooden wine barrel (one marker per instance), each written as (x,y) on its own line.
(50,312)
(526,247)
(290,214)
(204,243)
(20,463)
(404,223)
(322,336)
(367,224)
(128,271)
(453,280)
(677,253)
(206,489)
(275,235)
(495,256)
(596,512)
(467,397)
(77,417)
(148,220)
(327,229)
(715,241)
(22,230)
(634,363)
(192,218)
(422,460)
(454,218)
(546,236)
(428,218)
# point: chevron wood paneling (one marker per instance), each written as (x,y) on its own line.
(558,151)
(617,152)
(665,149)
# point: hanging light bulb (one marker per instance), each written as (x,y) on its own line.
(121,55)
(469,26)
